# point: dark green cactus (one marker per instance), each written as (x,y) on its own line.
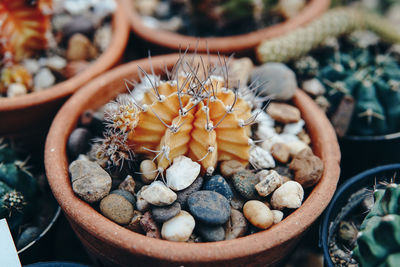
(18,189)
(378,243)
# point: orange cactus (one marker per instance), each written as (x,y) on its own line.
(188,115)
(23,27)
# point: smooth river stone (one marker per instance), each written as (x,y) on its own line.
(179,228)
(218,184)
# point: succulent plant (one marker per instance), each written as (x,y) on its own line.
(196,113)
(334,23)
(378,242)
(18,188)
(23,26)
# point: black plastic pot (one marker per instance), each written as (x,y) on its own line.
(365,179)
(361,153)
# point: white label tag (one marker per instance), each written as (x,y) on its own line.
(8,253)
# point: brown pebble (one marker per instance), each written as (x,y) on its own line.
(230,167)
(117,208)
(284,113)
(280,152)
(134,224)
(80,48)
(303,136)
(307,168)
(236,226)
(128,185)
(149,226)
(148,170)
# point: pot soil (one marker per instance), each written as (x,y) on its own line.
(115,245)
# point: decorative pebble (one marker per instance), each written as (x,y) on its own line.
(103,37)
(183,195)
(278,216)
(313,87)
(258,214)
(128,185)
(239,70)
(265,132)
(43,79)
(283,171)
(245,182)
(236,226)
(230,167)
(261,158)
(27,236)
(148,170)
(78,25)
(303,136)
(127,195)
(78,142)
(182,173)
(16,89)
(149,226)
(134,224)
(146,7)
(117,208)
(162,214)
(296,147)
(269,181)
(141,204)
(307,168)
(279,81)
(218,184)
(211,233)
(237,201)
(280,152)
(89,180)
(283,113)
(80,48)
(56,63)
(158,194)
(179,228)
(209,207)
(289,195)
(269,142)
(32,65)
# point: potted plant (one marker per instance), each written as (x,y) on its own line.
(33,112)
(357,227)
(114,244)
(240,43)
(345,63)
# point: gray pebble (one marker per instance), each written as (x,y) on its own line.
(209,207)
(279,81)
(236,226)
(210,233)
(89,181)
(162,214)
(79,24)
(183,195)
(244,182)
(78,142)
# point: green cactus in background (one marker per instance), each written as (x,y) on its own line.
(18,188)
(378,243)
(334,23)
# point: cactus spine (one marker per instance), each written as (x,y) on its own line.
(378,243)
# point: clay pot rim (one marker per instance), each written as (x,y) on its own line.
(228,44)
(93,222)
(106,60)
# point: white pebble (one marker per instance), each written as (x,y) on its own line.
(16,89)
(286,137)
(141,204)
(269,142)
(32,65)
(278,216)
(261,158)
(182,173)
(296,147)
(269,182)
(148,170)
(158,194)
(56,63)
(294,128)
(289,195)
(264,132)
(258,214)
(43,79)
(76,7)
(179,228)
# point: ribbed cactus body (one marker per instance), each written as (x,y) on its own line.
(378,243)
(334,23)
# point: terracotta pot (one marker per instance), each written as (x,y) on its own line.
(112,243)
(243,43)
(33,112)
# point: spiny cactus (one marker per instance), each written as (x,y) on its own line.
(334,23)
(195,113)
(18,188)
(378,243)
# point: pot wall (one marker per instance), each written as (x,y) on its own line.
(110,242)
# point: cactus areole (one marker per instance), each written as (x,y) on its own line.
(195,113)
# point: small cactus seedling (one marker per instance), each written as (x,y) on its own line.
(378,242)
(195,113)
